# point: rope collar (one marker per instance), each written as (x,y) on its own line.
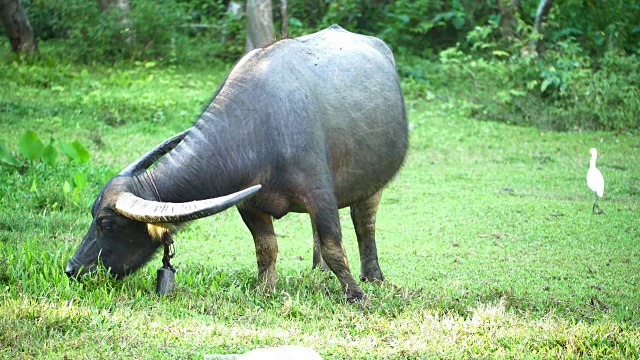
(169,253)
(169,247)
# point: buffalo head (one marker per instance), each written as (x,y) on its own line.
(127,228)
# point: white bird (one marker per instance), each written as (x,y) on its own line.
(595,181)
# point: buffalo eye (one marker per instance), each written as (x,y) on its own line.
(105,224)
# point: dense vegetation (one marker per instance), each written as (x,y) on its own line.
(580,72)
(486,236)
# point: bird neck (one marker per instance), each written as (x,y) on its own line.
(592,163)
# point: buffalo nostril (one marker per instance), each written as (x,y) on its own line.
(70,270)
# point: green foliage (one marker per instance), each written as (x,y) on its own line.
(6,157)
(75,151)
(560,89)
(581,73)
(585,77)
(30,146)
(168,31)
(410,27)
(606,98)
(49,154)
(597,26)
(92,33)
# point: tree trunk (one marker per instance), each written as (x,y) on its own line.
(123,7)
(284,27)
(509,22)
(260,30)
(17,27)
(541,15)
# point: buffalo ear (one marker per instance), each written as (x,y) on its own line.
(157,212)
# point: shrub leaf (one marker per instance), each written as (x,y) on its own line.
(49,154)
(30,145)
(68,150)
(75,151)
(83,154)
(80,180)
(6,157)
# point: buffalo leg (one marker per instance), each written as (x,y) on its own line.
(324,214)
(363,215)
(264,237)
(318,262)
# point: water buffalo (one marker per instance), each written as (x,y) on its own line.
(310,124)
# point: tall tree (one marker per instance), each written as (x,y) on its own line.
(260,29)
(541,15)
(284,16)
(123,8)
(17,27)
(508,21)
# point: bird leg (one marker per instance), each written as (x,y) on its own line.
(595,206)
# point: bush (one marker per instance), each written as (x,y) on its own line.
(93,35)
(585,76)
(410,27)
(604,98)
(159,30)
(562,89)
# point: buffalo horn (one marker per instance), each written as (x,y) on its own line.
(148,211)
(152,156)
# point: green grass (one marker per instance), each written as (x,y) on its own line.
(486,238)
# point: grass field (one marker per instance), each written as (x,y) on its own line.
(486,238)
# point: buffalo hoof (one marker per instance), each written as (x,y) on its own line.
(356,295)
(372,275)
(266,283)
(264,290)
